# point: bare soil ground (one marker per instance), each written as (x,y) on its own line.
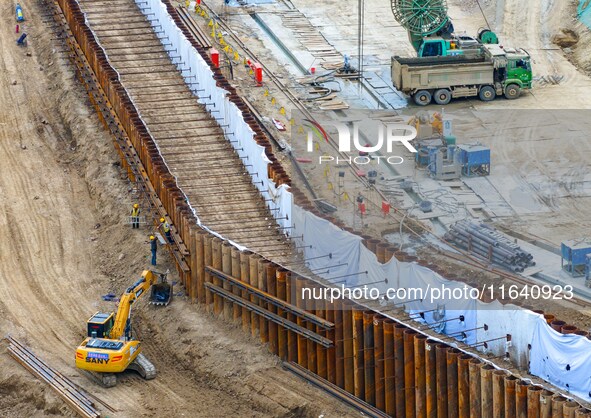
(62,207)
(532,25)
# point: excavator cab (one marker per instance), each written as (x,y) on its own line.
(99,325)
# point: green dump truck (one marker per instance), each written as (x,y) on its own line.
(492,71)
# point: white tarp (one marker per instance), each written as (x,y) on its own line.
(563,360)
(331,251)
(462,318)
(507,319)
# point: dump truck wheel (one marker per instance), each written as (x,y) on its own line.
(442,96)
(422,98)
(512,91)
(487,93)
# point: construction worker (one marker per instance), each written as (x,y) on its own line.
(154,248)
(166,228)
(135,216)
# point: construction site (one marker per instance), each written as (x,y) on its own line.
(293,208)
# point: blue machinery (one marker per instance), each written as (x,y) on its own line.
(444,163)
(448,162)
(475,160)
(576,258)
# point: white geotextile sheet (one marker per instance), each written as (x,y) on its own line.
(200,80)
(463,319)
(507,319)
(329,249)
(563,360)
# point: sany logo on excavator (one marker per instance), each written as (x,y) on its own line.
(97,358)
(387,132)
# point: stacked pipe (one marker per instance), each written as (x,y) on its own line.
(486,242)
(380,360)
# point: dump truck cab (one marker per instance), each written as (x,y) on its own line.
(512,67)
(519,70)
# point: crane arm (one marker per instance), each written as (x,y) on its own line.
(127,299)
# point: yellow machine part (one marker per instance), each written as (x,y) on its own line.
(90,356)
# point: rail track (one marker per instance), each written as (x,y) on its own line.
(207,169)
(79,400)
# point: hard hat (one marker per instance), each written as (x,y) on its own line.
(152,237)
(136,206)
(162,219)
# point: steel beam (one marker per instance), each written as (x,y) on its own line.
(269,315)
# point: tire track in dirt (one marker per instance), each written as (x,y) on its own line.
(531,25)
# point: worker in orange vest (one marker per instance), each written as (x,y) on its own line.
(135,216)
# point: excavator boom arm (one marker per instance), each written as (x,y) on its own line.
(127,299)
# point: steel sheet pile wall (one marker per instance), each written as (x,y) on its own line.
(381,361)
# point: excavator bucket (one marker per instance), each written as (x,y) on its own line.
(161,294)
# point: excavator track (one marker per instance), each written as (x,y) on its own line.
(143,366)
(108,380)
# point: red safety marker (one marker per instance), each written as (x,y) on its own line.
(258,73)
(385,207)
(215,57)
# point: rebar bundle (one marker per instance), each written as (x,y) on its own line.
(486,242)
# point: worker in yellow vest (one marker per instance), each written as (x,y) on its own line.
(135,216)
(166,228)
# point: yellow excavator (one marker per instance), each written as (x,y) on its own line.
(110,347)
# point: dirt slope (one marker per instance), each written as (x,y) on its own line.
(62,204)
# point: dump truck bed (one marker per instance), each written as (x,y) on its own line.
(412,74)
(451,59)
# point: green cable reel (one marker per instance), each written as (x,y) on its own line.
(421,17)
